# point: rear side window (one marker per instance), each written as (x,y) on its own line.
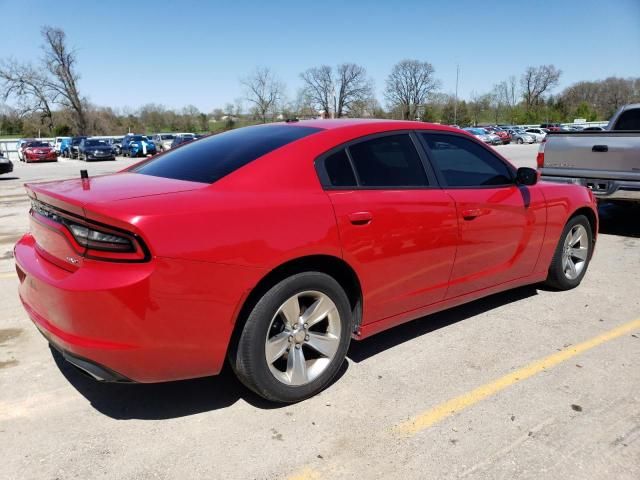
(629,120)
(339,170)
(464,163)
(212,158)
(389,161)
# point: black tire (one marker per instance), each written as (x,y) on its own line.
(519,141)
(557,278)
(247,356)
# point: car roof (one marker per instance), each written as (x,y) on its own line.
(340,123)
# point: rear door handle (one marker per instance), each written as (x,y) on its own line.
(360,218)
(472,213)
(600,148)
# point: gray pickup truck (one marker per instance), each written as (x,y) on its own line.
(608,161)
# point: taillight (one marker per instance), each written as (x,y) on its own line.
(540,156)
(91,240)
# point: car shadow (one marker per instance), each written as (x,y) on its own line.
(161,401)
(362,350)
(8,178)
(619,219)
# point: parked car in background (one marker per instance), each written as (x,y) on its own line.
(182,138)
(494,139)
(593,129)
(38,151)
(116,145)
(607,162)
(538,133)
(480,133)
(552,127)
(272,246)
(134,145)
(57,144)
(65,147)
(519,136)
(20,144)
(163,141)
(6,165)
(95,149)
(505,136)
(73,148)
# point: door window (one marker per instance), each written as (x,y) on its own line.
(464,163)
(389,161)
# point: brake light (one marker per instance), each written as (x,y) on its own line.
(540,156)
(90,240)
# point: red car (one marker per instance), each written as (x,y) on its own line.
(39,152)
(275,245)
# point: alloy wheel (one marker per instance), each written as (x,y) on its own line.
(303,338)
(575,252)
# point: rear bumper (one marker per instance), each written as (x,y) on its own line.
(625,190)
(162,320)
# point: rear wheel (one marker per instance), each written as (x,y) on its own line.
(573,253)
(295,338)
(519,141)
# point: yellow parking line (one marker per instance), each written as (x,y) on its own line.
(305,474)
(8,275)
(455,405)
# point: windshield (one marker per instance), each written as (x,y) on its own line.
(37,144)
(167,137)
(96,143)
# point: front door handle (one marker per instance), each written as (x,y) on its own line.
(600,148)
(360,218)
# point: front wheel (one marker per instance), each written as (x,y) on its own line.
(519,141)
(572,256)
(295,338)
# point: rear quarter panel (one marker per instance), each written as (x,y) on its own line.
(563,201)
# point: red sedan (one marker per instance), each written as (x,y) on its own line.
(275,245)
(39,152)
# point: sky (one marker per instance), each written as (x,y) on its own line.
(131,53)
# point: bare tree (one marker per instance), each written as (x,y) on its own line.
(318,88)
(353,87)
(535,81)
(335,92)
(264,91)
(63,79)
(409,85)
(29,86)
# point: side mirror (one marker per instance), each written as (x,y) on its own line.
(526,176)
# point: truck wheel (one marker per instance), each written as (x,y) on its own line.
(295,338)
(572,255)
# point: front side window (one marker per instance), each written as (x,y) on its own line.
(389,161)
(464,163)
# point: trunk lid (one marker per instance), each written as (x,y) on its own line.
(55,204)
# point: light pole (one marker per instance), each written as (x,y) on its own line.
(455,104)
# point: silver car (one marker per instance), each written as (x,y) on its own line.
(520,136)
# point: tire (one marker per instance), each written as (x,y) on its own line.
(519,141)
(567,270)
(297,371)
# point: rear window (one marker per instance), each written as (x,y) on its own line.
(212,158)
(629,120)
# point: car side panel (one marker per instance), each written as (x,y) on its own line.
(562,202)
